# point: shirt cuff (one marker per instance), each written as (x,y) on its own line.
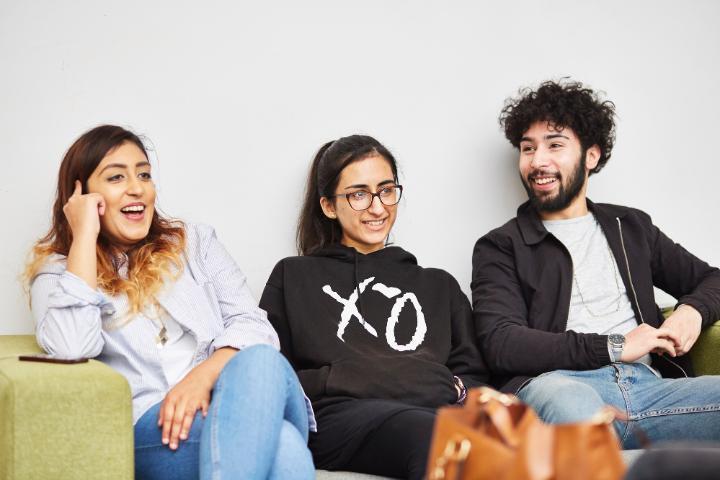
(240,338)
(75,292)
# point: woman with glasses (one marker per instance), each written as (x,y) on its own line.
(378,342)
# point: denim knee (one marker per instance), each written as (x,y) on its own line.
(259,359)
(293,459)
(560,399)
(257,352)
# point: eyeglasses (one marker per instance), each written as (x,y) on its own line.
(362,199)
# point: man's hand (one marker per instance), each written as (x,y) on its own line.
(686,323)
(644,339)
(177,411)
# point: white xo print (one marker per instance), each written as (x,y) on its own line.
(350,310)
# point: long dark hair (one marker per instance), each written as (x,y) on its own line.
(315,230)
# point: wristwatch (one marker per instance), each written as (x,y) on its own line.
(616,343)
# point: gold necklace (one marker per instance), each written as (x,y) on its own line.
(162,337)
(617,286)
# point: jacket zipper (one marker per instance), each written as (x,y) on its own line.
(572,274)
(632,287)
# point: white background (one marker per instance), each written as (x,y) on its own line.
(238,96)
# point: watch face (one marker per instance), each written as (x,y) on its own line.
(617,339)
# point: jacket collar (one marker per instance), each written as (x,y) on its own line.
(533,231)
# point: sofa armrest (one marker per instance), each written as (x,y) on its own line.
(705,353)
(62,421)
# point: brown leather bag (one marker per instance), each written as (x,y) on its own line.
(495,436)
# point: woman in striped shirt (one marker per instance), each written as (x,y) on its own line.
(164,304)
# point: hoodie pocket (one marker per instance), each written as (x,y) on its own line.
(313,381)
(407,379)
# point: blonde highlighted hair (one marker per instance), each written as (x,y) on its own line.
(150,263)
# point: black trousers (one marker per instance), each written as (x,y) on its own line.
(376,437)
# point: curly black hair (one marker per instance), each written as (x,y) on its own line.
(563,103)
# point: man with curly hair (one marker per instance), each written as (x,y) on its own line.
(563,293)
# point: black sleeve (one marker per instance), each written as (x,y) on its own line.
(273,302)
(313,380)
(684,276)
(465,360)
(510,346)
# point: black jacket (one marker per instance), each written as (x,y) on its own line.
(522,281)
(336,357)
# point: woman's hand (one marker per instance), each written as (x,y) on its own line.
(83,215)
(191,394)
(83,212)
(177,411)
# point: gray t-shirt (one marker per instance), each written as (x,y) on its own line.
(599,302)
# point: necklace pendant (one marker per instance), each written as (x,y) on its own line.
(162,337)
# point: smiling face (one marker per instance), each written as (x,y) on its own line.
(123,179)
(365,230)
(554,170)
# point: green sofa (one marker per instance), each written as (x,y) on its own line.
(62,421)
(75,421)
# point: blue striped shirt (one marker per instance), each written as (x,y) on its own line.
(210,299)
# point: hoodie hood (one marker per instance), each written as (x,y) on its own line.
(350,255)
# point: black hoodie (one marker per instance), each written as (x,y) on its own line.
(403,337)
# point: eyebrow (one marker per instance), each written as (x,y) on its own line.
(546,137)
(144,163)
(381,184)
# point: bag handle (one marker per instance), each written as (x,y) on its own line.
(456,450)
(486,394)
(495,406)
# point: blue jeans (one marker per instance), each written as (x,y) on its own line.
(661,408)
(257,427)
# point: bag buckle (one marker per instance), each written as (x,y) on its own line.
(456,450)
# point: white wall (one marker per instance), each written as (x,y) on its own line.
(237,96)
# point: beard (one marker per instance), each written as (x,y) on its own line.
(566,192)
